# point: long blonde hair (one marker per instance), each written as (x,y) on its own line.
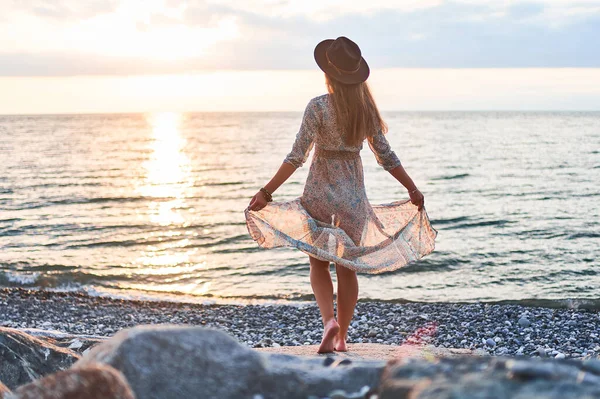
(355,110)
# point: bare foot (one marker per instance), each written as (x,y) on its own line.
(340,344)
(331,329)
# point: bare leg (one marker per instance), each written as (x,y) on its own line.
(320,280)
(347,295)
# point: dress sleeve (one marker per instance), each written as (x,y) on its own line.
(383,152)
(305,138)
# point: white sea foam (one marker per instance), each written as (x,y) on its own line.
(22,278)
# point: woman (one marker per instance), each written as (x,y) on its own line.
(333,220)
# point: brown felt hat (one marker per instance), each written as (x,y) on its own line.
(342,60)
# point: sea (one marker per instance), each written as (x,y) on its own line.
(151,206)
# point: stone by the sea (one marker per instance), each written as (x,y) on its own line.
(24,358)
(524,322)
(477,377)
(541,351)
(92,382)
(180,362)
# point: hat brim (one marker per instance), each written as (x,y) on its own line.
(347,78)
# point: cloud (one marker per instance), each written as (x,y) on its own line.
(548,13)
(63,9)
(317,10)
(61,38)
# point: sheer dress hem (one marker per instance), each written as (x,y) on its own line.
(288,224)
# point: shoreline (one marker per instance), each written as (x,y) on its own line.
(499,329)
(590,304)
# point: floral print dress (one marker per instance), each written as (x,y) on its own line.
(333,219)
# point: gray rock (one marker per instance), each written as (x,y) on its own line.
(77,343)
(24,358)
(541,351)
(592,366)
(476,378)
(341,394)
(503,350)
(177,362)
(524,322)
(490,342)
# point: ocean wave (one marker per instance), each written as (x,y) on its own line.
(83,201)
(583,235)
(439,264)
(127,243)
(451,177)
(484,223)
(53,280)
(20,278)
(288,269)
(223,241)
(10,220)
(224,183)
(540,234)
(449,221)
(60,185)
(592,194)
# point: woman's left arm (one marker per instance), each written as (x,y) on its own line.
(295,159)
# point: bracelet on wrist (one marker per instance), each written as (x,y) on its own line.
(413,191)
(267,194)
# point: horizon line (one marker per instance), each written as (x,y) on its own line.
(100,113)
(280,69)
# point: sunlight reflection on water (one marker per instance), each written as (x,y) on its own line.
(168,174)
(167,179)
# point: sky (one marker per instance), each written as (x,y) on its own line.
(66,56)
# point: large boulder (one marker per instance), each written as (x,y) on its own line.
(77,343)
(475,377)
(24,358)
(92,382)
(178,362)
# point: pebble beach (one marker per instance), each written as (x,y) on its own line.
(500,330)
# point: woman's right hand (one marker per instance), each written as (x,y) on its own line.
(417,198)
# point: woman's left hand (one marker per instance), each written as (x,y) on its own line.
(417,198)
(257,202)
